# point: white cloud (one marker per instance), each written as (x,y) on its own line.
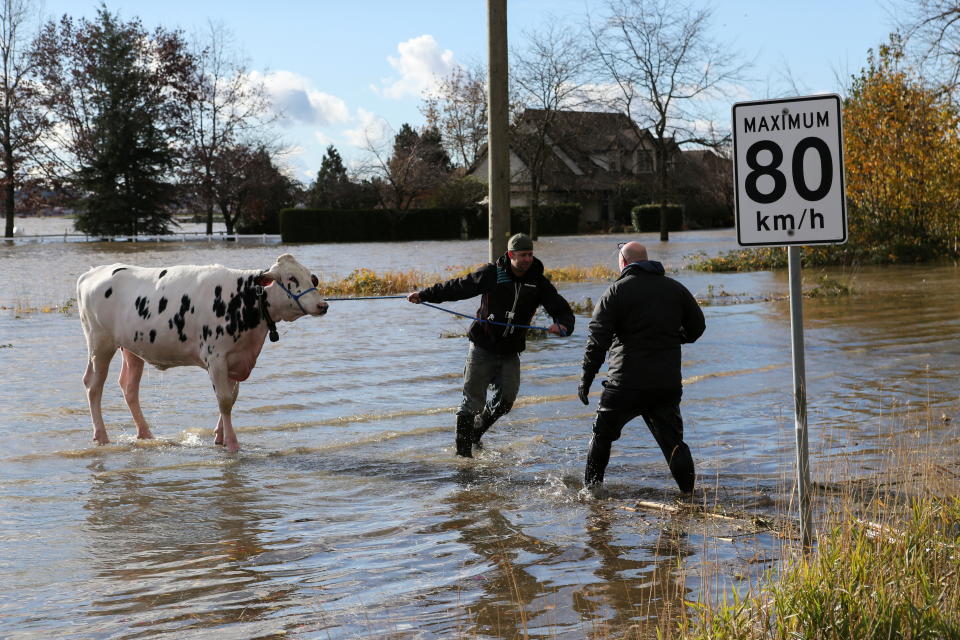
(420,64)
(322,138)
(371,130)
(299,101)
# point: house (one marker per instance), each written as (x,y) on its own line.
(601,160)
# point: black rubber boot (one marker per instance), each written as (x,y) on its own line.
(464,433)
(480,425)
(681,466)
(598,455)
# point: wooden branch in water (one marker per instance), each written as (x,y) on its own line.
(785,528)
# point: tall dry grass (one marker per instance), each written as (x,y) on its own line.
(886,561)
(366,282)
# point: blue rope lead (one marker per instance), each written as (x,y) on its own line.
(456,313)
(502,324)
(368,298)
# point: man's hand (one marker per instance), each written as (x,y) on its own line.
(557,329)
(414,297)
(583,391)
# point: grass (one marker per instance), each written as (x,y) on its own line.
(826,287)
(864,581)
(21,308)
(885,564)
(366,282)
(574,273)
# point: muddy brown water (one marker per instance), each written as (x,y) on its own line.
(346,514)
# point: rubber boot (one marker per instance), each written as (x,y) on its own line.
(681,466)
(464,433)
(480,425)
(598,455)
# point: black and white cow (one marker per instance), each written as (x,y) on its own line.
(207,316)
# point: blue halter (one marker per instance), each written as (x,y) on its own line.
(296,297)
(262,296)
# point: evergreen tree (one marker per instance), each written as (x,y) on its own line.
(418,166)
(432,151)
(112,88)
(331,190)
(125,180)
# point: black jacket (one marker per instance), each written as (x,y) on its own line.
(503,292)
(642,319)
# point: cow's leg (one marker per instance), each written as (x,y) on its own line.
(131,370)
(226,390)
(98,363)
(218,432)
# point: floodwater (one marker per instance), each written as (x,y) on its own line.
(347,515)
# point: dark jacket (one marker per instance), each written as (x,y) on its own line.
(642,319)
(503,292)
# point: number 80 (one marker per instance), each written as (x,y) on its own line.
(779,180)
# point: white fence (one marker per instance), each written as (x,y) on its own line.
(191,236)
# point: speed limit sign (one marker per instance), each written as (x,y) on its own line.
(788,172)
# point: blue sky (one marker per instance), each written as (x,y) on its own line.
(339,65)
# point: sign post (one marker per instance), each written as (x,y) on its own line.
(788,174)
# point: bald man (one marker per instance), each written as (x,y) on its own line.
(642,320)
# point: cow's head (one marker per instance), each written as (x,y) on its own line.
(292,291)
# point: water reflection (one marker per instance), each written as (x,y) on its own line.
(178,553)
(476,511)
(638,585)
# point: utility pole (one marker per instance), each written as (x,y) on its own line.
(498,145)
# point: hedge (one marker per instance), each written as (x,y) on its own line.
(388,225)
(646,217)
(369,225)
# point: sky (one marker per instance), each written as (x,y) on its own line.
(340,68)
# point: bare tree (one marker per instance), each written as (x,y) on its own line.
(666,70)
(412,169)
(548,76)
(21,118)
(458,110)
(933,29)
(226,111)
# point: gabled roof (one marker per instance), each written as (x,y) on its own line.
(579,144)
(589,130)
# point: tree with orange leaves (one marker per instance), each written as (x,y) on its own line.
(902,157)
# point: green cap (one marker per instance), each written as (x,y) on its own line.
(520,242)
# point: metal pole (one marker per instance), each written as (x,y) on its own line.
(498,146)
(799,394)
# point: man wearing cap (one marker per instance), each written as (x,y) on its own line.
(511,290)
(642,319)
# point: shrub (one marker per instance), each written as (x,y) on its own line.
(370,225)
(646,217)
(552,219)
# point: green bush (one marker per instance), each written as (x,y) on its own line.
(370,225)
(268,224)
(700,215)
(646,217)
(442,223)
(560,219)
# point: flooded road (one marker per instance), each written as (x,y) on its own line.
(347,515)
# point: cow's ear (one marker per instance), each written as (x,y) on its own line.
(263,279)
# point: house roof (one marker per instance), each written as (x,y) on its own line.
(579,146)
(585,131)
